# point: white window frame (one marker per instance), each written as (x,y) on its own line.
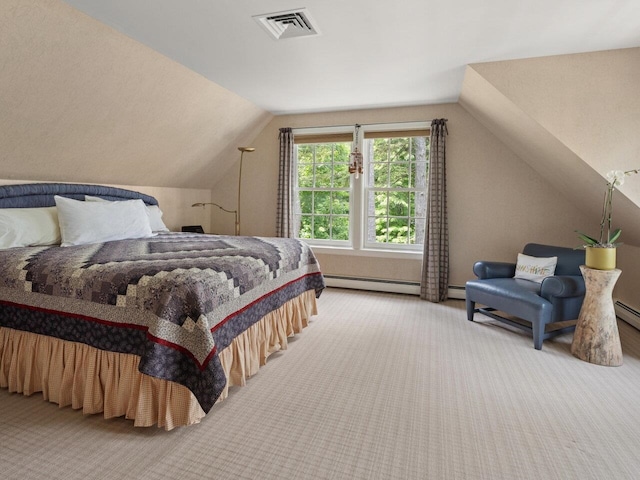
(321,242)
(386,127)
(357,243)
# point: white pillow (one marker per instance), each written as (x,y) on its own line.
(93,222)
(26,227)
(154,212)
(535,269)
(155,219)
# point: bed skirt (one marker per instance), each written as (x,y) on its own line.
(84,377)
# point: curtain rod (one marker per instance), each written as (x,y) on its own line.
(366,124)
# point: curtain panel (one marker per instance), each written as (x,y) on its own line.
(434,284)
(284,211)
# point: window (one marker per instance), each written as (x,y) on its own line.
(385,207)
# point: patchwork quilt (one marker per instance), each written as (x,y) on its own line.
(175,299)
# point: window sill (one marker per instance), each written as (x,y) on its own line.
(379,253)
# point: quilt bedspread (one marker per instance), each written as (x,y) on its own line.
(175,299)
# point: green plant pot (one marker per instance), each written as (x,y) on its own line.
(600,258)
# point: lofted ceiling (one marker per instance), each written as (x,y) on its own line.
(368,53)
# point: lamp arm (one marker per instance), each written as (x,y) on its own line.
(224,209)
(235,212)
(200,204)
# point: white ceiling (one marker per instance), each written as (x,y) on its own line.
(370,53)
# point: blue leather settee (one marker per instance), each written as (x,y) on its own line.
(558,298)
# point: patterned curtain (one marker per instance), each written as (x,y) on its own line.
(284,212)
(435,263)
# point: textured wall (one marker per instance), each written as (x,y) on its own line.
(82,102)
(497,202)
(588,101)
(573,118)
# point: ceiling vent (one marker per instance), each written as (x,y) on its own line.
(289,24)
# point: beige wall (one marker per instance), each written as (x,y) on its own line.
(589,101)
(497,202)
(587,104)
(82,102)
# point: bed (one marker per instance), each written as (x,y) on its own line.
(154,328)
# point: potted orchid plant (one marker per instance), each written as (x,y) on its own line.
(601,251)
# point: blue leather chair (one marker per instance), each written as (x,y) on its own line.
(558,298)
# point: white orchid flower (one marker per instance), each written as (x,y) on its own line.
(608,238)
(616,177)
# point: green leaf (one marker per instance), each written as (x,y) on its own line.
(615,235)
(586,238)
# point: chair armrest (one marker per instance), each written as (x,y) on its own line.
(562,286)
(485,269)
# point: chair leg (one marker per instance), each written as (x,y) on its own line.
(471,307)
(538,334)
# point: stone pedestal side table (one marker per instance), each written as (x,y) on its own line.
(596,339)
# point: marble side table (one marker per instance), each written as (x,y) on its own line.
(596,339)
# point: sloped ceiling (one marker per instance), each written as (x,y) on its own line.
(80,101)
(370,53)
(573,118)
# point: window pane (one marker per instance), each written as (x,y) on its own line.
(420,149)
(340,228)
(380,174)
(381,203)
(324,153)
(341,152)
(380,150)
(321,227)
(305,175)
(322,203)
(418,174)
(382,230)
(398,230)
(420,155)
(341,178)
(418,202)
(305,226)
(399,204)
(305,153)
(323,212)
(399,175)
(411,234)
(323,175)
(399,149)
(306,202)
(398,171)
(340,204)
(371,228)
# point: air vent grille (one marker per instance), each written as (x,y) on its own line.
(289,24)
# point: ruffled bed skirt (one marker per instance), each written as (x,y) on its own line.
(84,377)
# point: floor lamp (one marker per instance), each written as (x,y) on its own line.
(236,212)
(242,152)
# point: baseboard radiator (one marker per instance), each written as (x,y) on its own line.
(623,311)
(389,286)
(628,314)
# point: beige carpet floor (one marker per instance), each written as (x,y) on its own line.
(379,386)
